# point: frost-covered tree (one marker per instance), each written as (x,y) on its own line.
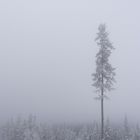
(31,129)
(104,76)
(137,133)
(127,131)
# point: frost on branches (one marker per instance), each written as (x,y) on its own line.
(104,76)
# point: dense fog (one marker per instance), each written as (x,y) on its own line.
(47,56)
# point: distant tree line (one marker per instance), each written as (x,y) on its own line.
(29,129)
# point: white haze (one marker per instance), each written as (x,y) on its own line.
(47,56)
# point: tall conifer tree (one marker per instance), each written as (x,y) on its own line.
(103,78)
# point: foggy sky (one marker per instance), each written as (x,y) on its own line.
(47,56)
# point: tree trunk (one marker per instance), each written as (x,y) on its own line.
(102,111)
